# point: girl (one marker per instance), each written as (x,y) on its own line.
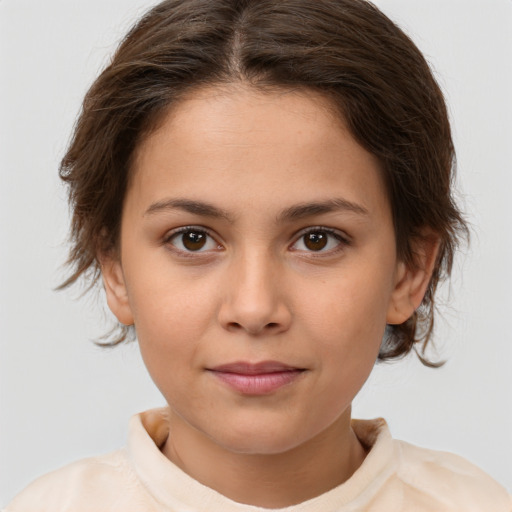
(266,196)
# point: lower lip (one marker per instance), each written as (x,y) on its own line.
(260,384)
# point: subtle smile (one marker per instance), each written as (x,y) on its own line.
(256,379)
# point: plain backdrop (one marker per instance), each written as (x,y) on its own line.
(62,397)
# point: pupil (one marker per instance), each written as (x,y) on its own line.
(194,241)
(316,241)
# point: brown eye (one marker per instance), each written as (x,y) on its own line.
(320,240)
(192,240)
(316,241)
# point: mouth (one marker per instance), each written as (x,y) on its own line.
(261,378)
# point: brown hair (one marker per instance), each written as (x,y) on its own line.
(345,49)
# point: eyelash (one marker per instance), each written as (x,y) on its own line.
(342,240)
(188,229)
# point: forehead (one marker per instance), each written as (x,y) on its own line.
(219,116)
(235,143)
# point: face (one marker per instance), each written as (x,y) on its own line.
(258,265)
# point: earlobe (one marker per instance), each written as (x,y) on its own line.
(115,290)
(412,280)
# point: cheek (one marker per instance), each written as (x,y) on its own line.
(169,333)
(350,310)
(346,320)
(170,318)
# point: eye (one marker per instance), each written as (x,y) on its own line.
(192,239)
(319,240)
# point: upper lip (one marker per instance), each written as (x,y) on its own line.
(245,368)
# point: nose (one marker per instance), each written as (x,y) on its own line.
(255,298)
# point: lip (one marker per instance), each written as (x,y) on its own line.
(254,379)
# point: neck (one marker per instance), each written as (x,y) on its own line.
(274,480)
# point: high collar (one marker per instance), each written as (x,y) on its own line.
(176,490)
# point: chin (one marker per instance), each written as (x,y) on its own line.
(259,439)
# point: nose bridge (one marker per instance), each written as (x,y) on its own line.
(255,300)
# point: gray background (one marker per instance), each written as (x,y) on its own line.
(62,398)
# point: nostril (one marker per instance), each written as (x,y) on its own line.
(235,326)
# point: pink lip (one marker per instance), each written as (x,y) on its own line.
(256,379)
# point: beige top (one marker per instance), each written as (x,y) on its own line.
(394,477)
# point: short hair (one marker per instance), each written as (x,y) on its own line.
(375,77)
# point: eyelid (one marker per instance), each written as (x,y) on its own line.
(341,236)
(184,229)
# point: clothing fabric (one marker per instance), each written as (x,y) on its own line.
(395,476)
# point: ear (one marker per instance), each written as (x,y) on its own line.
(411,281)
(115,289)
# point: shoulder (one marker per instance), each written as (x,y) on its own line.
(97,483)
(450,480)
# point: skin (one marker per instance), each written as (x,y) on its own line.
(257,290)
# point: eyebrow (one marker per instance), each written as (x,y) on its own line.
(195,207)
(296,212)
(301,211)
